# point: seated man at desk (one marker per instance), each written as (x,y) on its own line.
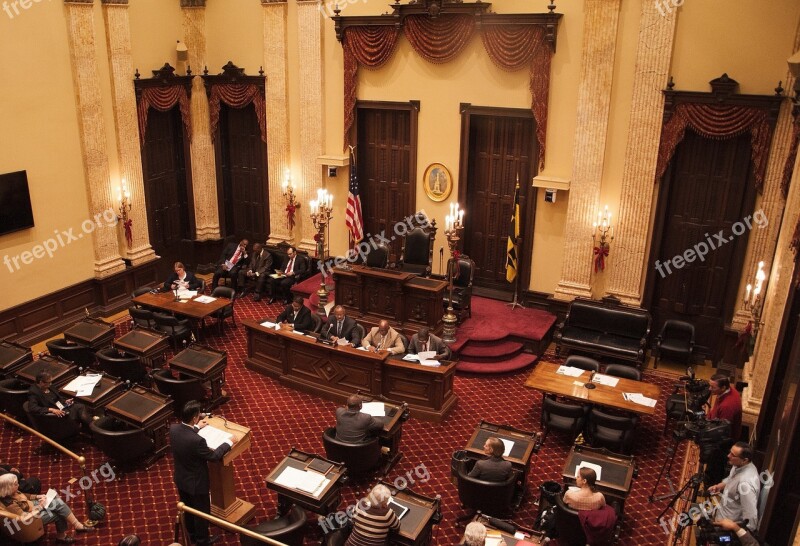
(44,400)
(585,496)
(298,315)
(494,468)
(424,341)
(383,338)
(181,278)
(340,326)
(354,426)
(257,270)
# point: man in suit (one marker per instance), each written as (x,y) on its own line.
(257,270)
(383,338)
(297,315)
(352,425)
(294,269)
(44,400)
(30,485)
(494,468)
(340,326)
(181,278)
(425,341)
(233,257)
(191,455)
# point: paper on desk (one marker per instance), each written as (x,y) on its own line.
(426,355)
(268,324)
(431,363)
(186,294)
(303,480)
(214,436)
(411,358)
(48,498)
(493,538)
(376,409)
(205,299)
(83,385)
(608,380)
(508,444)
(639,398)
(569,370)
(342,341)
(362,348)
(596,467)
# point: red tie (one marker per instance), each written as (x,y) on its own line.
(236,255)
(289,266)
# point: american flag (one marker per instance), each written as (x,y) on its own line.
(352,218)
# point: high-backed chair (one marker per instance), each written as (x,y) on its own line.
(583,362)
(405,341)
(317,320)
(181,390)
(362,332)
(621,370)
(462,288)
(20,530)
(416,254)
(176,329)
(562,416)
(288,529)
(13,395)
(615,432)
(490,498)
(61,430)
(378,257)
(227,311)
(676,341)
(127,367)
(123,444)
(139,291)
(77,354)
(142,317)
(362,459)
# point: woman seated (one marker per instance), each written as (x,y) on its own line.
(374,519)
(585,496)
(474,534)
(29,506)
(181,279)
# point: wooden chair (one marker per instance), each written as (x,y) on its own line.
(416,254)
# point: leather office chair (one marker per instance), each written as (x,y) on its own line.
(19,530)
(675,408)
(621,370)
(317,321)
(416,254)
(583,362)
(77,354)
(562,416)
(13,395)
(123,444)
(227,311)
(288,529)
(377,257)
(615,432)
(462,288)
(361,459)
(139,291)
(181,390)
(570,531)
(126,367)
(142,317)
(59,429)
(362,332)
(405,341)
(676,341)
(491,498)
(176,329)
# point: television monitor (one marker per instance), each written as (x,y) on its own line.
(15,202)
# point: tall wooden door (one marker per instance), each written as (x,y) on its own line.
(707,192)
(501,149)
(166,185)
(242,175)
(387,160)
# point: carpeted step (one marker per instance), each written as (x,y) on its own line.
(497,350)
(518,362)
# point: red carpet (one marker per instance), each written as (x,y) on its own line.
(280,418)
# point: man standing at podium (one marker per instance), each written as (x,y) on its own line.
(191,454)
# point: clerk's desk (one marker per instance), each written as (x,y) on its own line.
(416,526)
(616,477)
(324,502)
(224,503)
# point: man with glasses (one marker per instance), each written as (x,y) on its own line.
(739,491)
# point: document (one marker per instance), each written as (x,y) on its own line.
(608,380)
(639,398)
(83,385)
(205,299)
(493,538)
(214,436)
(596,467)
(186,294)
(411,358)
(268,324)
(569,370)
(398,509)
(376,409)
(431,363)
(342,341)
(426,355)
(303,480)
(508,444)
(48,498)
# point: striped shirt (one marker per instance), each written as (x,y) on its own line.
(371,526)
(582,498)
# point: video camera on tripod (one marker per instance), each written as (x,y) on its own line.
(707,534)
(688,404)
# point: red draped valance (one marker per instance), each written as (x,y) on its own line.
(438,40)
(237,95)
(163,99)
(717,122)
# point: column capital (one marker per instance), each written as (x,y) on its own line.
(79,1)
(193,3)
(114,2)
(268,2)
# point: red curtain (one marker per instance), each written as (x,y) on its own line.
(788,168)
(237,95)
(717,122)
(438,40)
(163,99)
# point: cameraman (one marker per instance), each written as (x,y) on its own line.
(728,406)
(745,537)
(740,489)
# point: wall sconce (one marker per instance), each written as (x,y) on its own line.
(602,235)
(754,299)
(124,198)
(182,52)
(291,200)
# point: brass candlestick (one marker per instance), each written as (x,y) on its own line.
(321,215)
(453,227)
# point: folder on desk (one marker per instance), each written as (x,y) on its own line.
(398,508)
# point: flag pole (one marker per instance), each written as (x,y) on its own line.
(515,303)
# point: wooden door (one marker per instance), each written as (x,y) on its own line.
(166,187)
(242,172)
(500,149)
(709,191)
(387,161)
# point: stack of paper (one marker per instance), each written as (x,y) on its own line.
(425,358)
(205,299)
(639,398)
(186,294)
(214,436)
(569,370)
(508,444)
(83,385)
(607,380)
(376,409)
(596,467)
(303,480)
(268,324)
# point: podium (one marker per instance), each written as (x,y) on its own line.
(224,503)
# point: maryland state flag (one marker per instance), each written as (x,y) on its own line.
(513,234)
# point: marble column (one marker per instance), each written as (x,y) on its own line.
(627,266)
(312,121)
(204,169)
(277,101)
(601,18)
(118,42)
(85,79)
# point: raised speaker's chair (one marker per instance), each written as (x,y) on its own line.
(676,341)
(491,498)
(123,444)
(77,354)
(13,395)
(126,367)
(462,288)
(288,529)
(569,418)
(182,390)
(416,254)
(362,459)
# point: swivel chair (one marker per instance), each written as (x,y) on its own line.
(377,257)
(77,354)
(582,362)
(562,416)
(142,317)
(126,367)
(361,459)
(288,529)
(317,321)
(615,432)
(60,430)
(123,444)
(181,390)
(621,370)
(227,311)
(675,341)
(13,395)
(491,498)
(570,531)
(176,329)
(361,331)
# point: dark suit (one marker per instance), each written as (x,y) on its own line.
(194,282)
(39,403)
(261,265)
(348,330)
(227,254)
(354,426)
(303,322)
(281,288)
(32,486)
(434,344)
(191,455)
(493,469)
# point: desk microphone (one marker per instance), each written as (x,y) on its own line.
(589,384)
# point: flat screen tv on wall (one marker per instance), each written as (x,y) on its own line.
(15,202)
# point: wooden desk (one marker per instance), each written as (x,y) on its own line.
(416,527)
(145,409)
(536,537)
(224,503)
(165,301)
(336,372)
(206,364)
(12,357)
(62,371)
(544,378)
(617,473)
(323,503)
(106,389)
(392,431)
(92,333)
(147,344)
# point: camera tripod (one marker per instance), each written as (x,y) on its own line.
(666,468)
(693,486)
